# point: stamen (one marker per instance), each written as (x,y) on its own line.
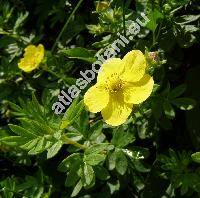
(114,83)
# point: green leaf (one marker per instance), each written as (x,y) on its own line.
(137,153)
(190,28)
(30,110)
(153,16)
(84,122)
(178,91)
(165,92)
(139,166)
(31,126)
(20,20)
(75,135)
(111,160)
(80,53)
(157,108)
(21,131)
(88,174)
(95,130)
(101,173)
(53,150)
(121,138)
(173,5)
(67,163)
(141,5)
(29,145)
(98,148)
(16,107)
(72,165)
(121,162)
(36,105)
(72,113)
(185,39)
(13,140)
(74,168)
(77,189)
(39,147)
(184,103)
(169,110)
(72,177)
(8,186)
(185,19)
(196,157)
(94,159)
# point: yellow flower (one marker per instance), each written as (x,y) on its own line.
(33,56)
(120,85)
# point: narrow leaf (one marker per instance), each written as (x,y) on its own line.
(94,159)
(88,174)
(196,157)
(178,91)
(184,103)
(169,110)
(72,113)
(121,162)
(21,131)
(80,53)
(77,189)
(53,150)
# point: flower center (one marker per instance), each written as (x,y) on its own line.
(114,83)
(116,87)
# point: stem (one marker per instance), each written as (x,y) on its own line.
(124,28)
(47,69)
(154,40)
(52,72)
(74,143)
(155,37)
(66,24)
(159,29)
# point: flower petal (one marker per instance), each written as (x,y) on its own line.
(40,54)
(109,67)
(26,65)
(22,64)
(135,65)
(117,111)
(96,98)
(139,91)
(30,51)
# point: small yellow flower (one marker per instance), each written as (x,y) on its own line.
(33,56)
(120,85)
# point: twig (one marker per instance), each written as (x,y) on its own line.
(66,24)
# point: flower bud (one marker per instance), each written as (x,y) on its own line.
(101,6)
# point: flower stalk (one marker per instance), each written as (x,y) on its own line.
(67,140)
